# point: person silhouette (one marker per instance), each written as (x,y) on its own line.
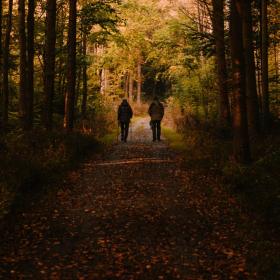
(156,112)
(125,113)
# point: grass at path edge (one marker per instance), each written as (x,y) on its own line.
(175,139)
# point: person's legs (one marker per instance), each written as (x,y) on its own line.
(122,130)
(126,128)
(154,130)
(158,130)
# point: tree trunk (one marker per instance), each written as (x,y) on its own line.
(79,76)
(71,68)
(1,46)
(219,34)
(22,67)
(1,51)
(130,86)
(126,85)
(60,68)
(60,76)
(276,64)
(103,81)
(30,63)
(259,78)
(139,81)
(264,64)
(49,62)
(6,54)
(1,17)
(85,86)
(251,86)
(241,146)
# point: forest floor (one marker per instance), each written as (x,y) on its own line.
(136,212)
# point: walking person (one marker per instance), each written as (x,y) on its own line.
(124,115)
(156,112)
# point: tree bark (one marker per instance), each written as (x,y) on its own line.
(6,54)
(60,68)
(23,64)
(71,68)
(259,78)
(130,86)
(103,81)
(2,102)
(79,77)
(139,81)
(264,65)
(1,46)
(30,63)
(251,86)
(49,63)
(276,64)
(85,85)
(126,84)
(241,146)
(219,34)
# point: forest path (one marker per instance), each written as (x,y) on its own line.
(137,213)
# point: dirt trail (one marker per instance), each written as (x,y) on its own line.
(138,213)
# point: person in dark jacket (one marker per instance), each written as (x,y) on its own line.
(124,115)
(156,112)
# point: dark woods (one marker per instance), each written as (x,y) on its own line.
(41,44)
(60,58)
(244,101)
(77,202)
(246,116)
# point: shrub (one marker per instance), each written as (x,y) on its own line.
(31,160)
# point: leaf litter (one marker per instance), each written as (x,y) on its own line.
(152,219)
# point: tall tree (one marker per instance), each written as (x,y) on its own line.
(241,146)
(125,86)
(6,54)
(85,85)
(30,63)
(139,80)
(104,80)
(130,86)
(71,68)
(1,16)
(251,86)
(1,50)
(49,63)
(23,64)
(1,96)
(264,64)
(60,64)
(219,35)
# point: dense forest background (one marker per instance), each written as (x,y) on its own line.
(65,66)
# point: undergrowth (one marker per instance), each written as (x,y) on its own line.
(257,184)
(30,161)
(175,139)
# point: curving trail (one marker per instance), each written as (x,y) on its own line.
(137,213)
